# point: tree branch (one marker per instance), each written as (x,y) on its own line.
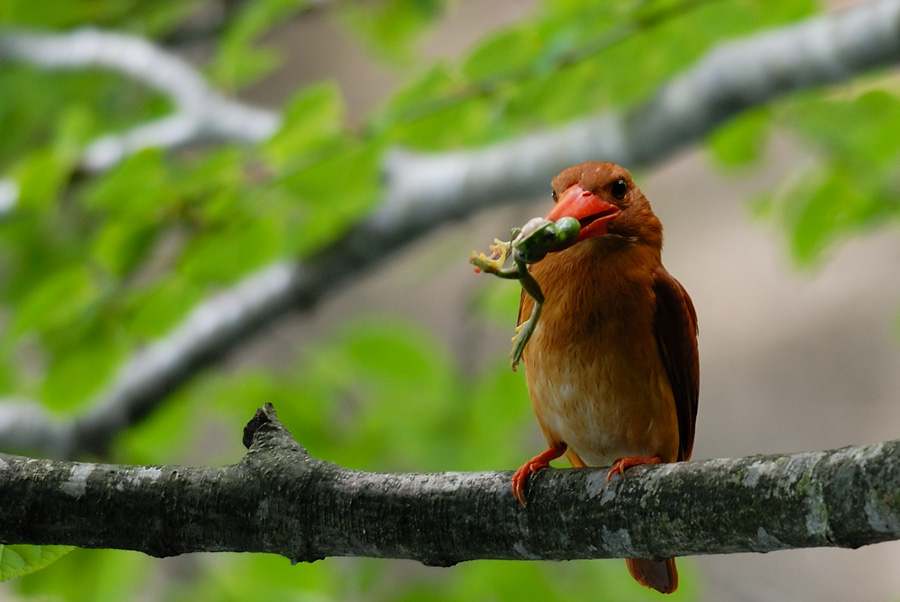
(281,500)
(425,192)
(201,112)
(728,80)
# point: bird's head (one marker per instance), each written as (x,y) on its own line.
(606,202)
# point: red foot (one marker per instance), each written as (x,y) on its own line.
(622,464)
(535,464)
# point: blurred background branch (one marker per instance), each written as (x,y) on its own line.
(423,191)
(200,112)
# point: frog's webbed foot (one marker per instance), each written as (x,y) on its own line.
(492,264)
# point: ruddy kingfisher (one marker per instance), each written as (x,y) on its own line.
(612,366)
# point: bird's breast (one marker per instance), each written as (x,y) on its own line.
(594,371)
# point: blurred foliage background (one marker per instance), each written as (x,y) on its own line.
(95,265)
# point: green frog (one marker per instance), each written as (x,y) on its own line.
(528,244)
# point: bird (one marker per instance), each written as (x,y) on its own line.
(612,367)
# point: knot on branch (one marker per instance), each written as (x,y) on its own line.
(266,430)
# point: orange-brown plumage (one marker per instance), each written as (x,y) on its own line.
(612,367)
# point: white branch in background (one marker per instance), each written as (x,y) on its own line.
(731,78)
(201,113)
(211,328)
(427,191)
(9,194)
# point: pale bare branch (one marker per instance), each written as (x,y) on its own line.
(426,191)
(201,112)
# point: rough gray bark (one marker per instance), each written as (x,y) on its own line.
(281,500)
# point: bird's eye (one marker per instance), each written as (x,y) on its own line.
(554,195)
(619,188)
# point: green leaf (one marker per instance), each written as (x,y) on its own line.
(375,372)
(313,127)
(42,309)
(41,177)
(841,203)
(63,110)
(496,407)
(122,245)
(436,81)
(154,309)
(159,15)
(95,575)
(391,26)
(332,194)
(136,188)
(830,204)
(741,140)
(505,54)
(76,374)
(853,185)
(474,121)
(571,60)
(171,432)
(17,560)
(861,129)
(240,60)
(222,255)
(221,170)
(246,64)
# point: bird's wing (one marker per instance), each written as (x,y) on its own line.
(676,335)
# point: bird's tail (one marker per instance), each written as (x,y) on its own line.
(661,575)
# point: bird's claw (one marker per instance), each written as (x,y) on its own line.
(520,478)
(539,462)
(623,464)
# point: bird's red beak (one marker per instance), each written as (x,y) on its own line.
(592,212)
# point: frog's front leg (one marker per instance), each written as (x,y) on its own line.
(493,264)
(526,328)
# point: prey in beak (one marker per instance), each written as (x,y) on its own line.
(592,212)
